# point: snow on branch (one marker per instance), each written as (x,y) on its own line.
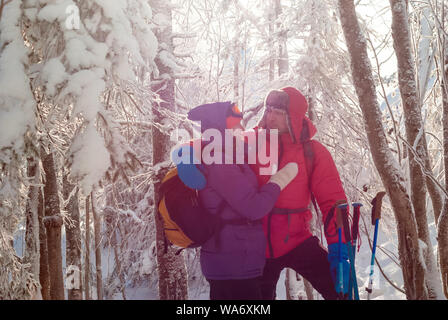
(113,45)
(126,213)
(183,35)
(16,99)
(154,174)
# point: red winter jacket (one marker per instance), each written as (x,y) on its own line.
(286,232)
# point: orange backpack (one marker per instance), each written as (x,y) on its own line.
(187,223)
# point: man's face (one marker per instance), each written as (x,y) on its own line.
(276,119)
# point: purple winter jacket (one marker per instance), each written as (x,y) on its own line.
(239,253)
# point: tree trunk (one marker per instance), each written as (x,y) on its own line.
(283,60)
(414,131)
(119,268)
(53,225)
(117,255)
(309,290)
(442,235)
(236,72)
(271,41)
(97,234)
(293,283)
(434,193)
(32,254)
(87,256)
(171,267)
(408,245)
(73,241)
(44,273)
(288,286)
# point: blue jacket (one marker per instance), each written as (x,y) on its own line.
(239,253)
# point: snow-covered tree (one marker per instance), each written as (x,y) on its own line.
(80,52)
(16,124)
(440,18)
(98,86)
(408,244)
(415,134)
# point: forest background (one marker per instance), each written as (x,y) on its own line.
(91,92)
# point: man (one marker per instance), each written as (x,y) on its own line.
(290,241)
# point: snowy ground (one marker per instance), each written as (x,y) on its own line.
(198,288)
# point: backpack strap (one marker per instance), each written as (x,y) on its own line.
(309,161)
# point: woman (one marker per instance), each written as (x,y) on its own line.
(233,260)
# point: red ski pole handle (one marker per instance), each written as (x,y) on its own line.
(336,212)
(356,214)
(343,209)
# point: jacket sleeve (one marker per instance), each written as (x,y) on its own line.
(327,188)
(233,185)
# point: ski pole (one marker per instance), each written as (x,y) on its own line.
(340,270)
(355,232)
(376,216)
(353,283)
